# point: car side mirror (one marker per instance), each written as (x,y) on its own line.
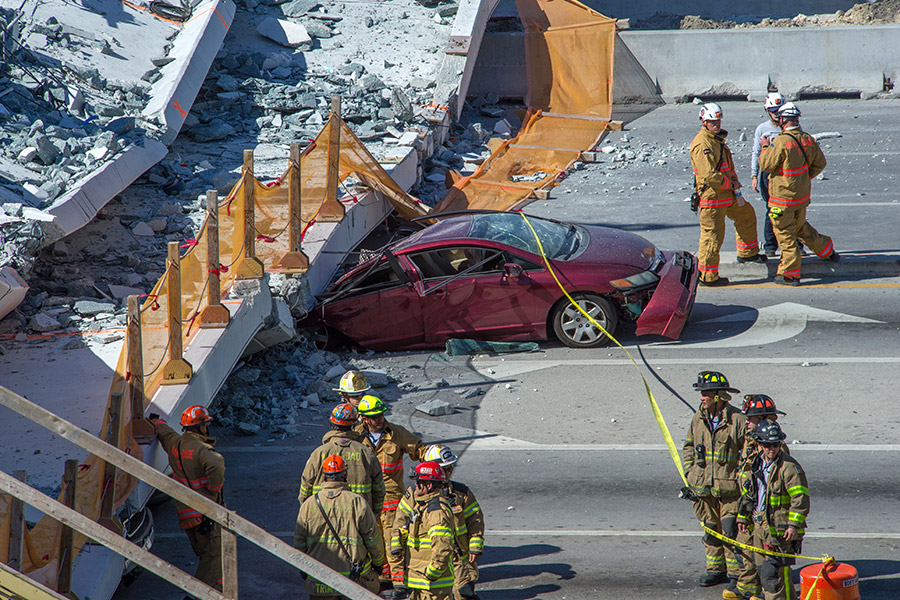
(512,270)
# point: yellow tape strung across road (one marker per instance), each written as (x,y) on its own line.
(660,421)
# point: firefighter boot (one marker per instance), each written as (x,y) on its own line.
(713,578)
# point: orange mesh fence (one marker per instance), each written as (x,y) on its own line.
(569,57)
(271,224)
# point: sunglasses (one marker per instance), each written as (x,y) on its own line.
(770,445)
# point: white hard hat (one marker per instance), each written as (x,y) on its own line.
(442,455)
(710,112)
(789,111)
(773,101)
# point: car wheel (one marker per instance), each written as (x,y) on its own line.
(576,331)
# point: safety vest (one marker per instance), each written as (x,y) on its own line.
(790,173)
(194,464)
(363,470)
(713,168)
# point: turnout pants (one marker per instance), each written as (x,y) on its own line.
(720,515)
(438,594)
(791,225)
(393,568)
(208,548)
(774,571)
(748,579)
(465,575)
(712,234)
(368,580)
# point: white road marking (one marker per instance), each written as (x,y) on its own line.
(513,367)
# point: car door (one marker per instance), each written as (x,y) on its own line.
(377,309)
(467,293)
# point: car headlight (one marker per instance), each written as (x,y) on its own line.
(641,281)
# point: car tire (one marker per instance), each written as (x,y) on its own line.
(575,331)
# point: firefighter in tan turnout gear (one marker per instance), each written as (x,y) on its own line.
(716,183)
(711,459)
(195,464)
(756,408)
(423,535)
(774,508)
(469,526)
(389,442)
(792,159)
(363,471)
(337,528)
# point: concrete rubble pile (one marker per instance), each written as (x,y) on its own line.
(56,124)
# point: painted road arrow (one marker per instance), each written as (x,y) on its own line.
(770,325)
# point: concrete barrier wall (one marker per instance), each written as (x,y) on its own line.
(833,58)
(713,9)
(707,62)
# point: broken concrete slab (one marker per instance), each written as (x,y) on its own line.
(435,408)
(286,33)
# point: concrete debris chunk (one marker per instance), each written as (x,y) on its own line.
(42,323)
(215,130)
(335,372)
(27,155)
(298,8)
(245,428)
(282,32)
(318,29)
(141,229)
(435,408)
(91,308)
(47,150)
(108,337)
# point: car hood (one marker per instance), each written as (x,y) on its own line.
(614,246)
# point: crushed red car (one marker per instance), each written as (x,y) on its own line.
(480,275)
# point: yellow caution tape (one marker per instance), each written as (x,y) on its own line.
(660,421)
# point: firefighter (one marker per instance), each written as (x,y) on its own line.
(792,159)
(195,464)
(756,408)
(711,458)
(759,181)
(352,387)
(423,535)
(716,183)
(778,497)
(359,552)
(363,471)
(389,442)
(469,526)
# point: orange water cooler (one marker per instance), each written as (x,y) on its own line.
(839,581)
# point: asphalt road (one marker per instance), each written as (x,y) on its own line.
(562,450)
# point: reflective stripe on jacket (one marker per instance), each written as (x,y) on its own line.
(354,522)
(721,451)
(395,441)
(713,166)
(363,470)
(194,464)
(787,495)
(789,172)
(424,531)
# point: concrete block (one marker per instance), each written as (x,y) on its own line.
(12,290)
(435,408)
(143,230)
(285,33)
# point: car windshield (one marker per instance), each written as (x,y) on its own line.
(560,241)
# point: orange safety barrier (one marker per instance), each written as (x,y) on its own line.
(271,225)
(569,56)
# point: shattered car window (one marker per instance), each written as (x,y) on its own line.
(558,240)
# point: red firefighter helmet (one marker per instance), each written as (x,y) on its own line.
(195,415)
(430,471)
(334,465)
